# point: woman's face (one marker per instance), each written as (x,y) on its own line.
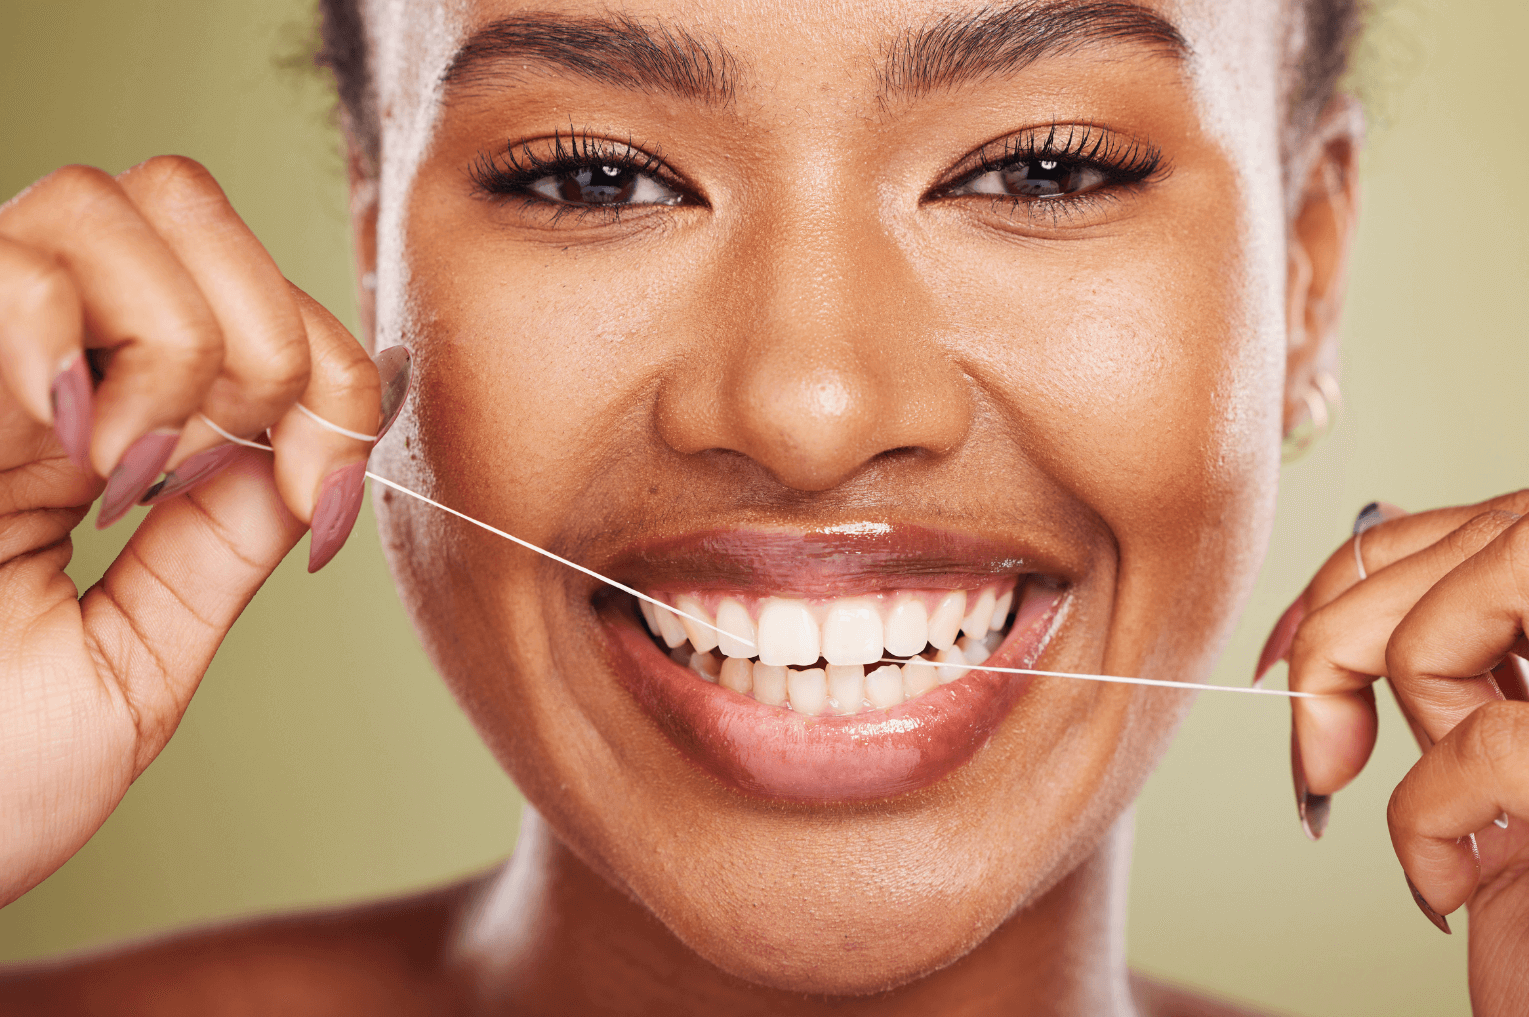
(828,316)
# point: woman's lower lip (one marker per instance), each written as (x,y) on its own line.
(774,753)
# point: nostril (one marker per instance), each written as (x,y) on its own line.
(901,452)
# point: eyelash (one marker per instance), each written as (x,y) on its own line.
(1124,162)
(510,173)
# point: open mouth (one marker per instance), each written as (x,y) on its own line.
(844,655)
(842,668)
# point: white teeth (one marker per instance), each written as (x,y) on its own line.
(846,688)
(701,637)
(852,633)
(787,633)
(975,624)
(770,684)
(737,674)
(808,690)
(1001,610)
(907,628)
(919,676)
(884,686)
(670,628)
(950,655)
(962,631)
(705,665)
(733,619)
(974,650)
(945,623)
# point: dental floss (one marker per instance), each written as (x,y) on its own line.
(232,437)
(327,425)
(336,428)
(1155,682)
(557,558)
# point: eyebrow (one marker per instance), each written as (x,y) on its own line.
(961,47)
(615,50)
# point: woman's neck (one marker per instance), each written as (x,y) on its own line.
(549,936)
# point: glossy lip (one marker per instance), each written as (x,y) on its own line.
(852,558)
(773,753)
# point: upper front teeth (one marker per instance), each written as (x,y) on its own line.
(788,634)
(737,637)
(945,622)
(906,631)
(791,638)
(852,633)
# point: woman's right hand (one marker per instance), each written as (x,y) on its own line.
(183,314)
(1437,602)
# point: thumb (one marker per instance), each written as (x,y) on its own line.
(159,614)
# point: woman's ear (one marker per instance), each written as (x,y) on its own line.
(363,237)
(1323,218)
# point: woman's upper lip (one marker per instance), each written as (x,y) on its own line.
(857,557)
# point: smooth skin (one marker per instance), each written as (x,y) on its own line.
(824,331)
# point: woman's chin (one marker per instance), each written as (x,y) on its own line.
(843,943)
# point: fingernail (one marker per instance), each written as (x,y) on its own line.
(395,369)
(71,398)
(135,473)
(200,467)
(338,506)
(1313,809)
(1278,644)
(1369,516)
(1437,919)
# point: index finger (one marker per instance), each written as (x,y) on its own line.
(1459,630)
(1395,538)
(137,300)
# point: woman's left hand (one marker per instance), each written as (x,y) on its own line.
(1437,603)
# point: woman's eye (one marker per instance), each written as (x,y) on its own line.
(604,184)
(1034,178)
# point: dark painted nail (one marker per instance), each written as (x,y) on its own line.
(1368,517)
(1437,919)
(338,506)
(395,368)
(71,396)
(1278,645)
(1313,809)
(200,467)
(135,474)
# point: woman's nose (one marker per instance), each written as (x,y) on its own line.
(819,351)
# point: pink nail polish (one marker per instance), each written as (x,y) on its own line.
(1278,646)
(396,372)
(72,411)
(338,506)
(1313,810)
(136,472)
(1439,921)
(201,467)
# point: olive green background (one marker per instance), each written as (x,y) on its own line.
(323,762)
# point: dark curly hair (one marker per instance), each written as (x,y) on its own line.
(1322,34)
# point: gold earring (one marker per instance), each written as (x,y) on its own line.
(1323,402)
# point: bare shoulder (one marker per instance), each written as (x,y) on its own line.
(378,959)
(1160,999)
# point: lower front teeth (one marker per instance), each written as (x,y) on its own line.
(769,684)
(835,689)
